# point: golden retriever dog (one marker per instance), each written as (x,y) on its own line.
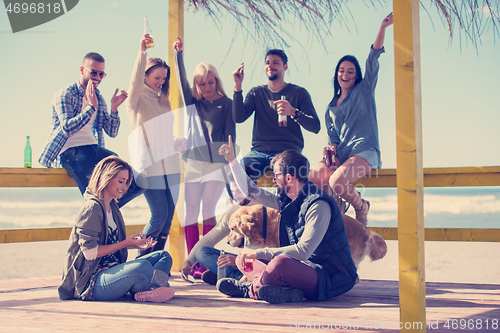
(247,222)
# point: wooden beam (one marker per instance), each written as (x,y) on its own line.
(438,177)
(49,234)
(36,177)
(410,177)
(433,177)
(388,233)
(177,247)
(469,176)
(446,234)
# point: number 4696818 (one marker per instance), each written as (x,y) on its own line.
(33,8)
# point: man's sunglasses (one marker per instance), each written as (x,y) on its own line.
(95,73)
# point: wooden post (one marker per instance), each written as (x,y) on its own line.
(176,28)
(409,177)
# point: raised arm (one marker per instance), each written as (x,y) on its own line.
(379,41)
(241,110)
(245,184)
(181,72)
(238,77)
(138,73)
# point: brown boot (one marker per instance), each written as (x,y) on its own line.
(343,205)
(360,205)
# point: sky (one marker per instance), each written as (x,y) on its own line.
(460,83)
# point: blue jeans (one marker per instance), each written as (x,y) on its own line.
(161,195)
(207,256)
(256,163)
(80,161)
(116,281)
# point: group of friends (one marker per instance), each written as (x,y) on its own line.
(313,260)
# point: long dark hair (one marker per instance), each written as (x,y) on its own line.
(336,86)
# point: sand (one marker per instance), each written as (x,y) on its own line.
(461,262)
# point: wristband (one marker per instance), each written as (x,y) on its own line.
(298,114)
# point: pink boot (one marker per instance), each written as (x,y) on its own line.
(201,269)
(192,236)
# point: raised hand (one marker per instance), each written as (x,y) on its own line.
(238,77)
(90,94)
(387,21)
(117,100)
(177,45)
(379,40)
(144,39)
(227,150)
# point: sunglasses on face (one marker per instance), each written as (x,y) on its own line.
(95,73)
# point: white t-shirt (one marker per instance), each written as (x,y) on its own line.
(91,254)
(84,136)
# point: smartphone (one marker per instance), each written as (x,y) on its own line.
(188,278)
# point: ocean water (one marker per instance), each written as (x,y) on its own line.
(471,207)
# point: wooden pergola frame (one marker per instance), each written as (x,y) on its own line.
(409,153)
(409,177)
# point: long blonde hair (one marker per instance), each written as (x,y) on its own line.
(151,65)
(107,169)
(200,74)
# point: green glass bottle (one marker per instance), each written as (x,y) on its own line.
(27,153)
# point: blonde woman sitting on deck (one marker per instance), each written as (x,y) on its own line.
(96,267)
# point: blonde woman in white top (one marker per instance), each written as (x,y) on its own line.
(153,147)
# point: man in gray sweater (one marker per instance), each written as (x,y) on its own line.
(268,101)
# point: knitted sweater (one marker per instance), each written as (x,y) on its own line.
(151,143)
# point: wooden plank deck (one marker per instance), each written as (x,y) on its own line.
(32,305)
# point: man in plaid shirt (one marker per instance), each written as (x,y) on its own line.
(79,116)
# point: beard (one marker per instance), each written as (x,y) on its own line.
(86,82)
(282,190)
(272,77)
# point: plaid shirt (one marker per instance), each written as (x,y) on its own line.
(68,118)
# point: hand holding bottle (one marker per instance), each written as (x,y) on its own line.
(145,39)
(147,31)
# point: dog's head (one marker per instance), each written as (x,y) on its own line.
(246,222)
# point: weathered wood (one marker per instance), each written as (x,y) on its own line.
(388,233)
(410,176)
(35,177)
(176,29)
(433,177)
(371,306)
(438,177)
(48,234)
